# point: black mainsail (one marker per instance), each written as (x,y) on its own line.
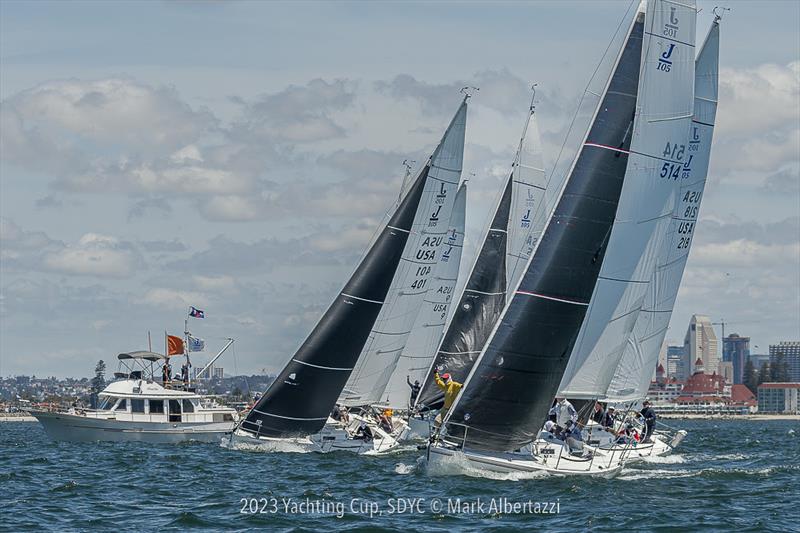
(508,393)
(479,307)
(302,396)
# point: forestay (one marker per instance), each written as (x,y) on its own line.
(658,154)
(407,292)
(527,213)
(632,377)
(429,326)
(507,395)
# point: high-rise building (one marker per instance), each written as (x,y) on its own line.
(726,371)
(217,372)
(674,364)
(700,343)
(791,353)
(736,349)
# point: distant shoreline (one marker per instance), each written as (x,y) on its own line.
(756,417)
(16,417)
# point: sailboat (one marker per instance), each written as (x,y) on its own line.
(416,357)
(513,231)
(632,376)
(495,421)
(294,412)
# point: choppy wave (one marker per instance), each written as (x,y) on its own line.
(724,475)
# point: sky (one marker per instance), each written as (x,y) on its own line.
(238,156)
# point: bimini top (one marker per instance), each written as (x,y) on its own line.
(149,356)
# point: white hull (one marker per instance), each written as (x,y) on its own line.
(334,437)
(77,428)
(657,447)
(549,459)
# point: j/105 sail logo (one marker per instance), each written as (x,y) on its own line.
(441,195)
(434,217)
(664,62)
(671,28)
(526,220)
(694,143)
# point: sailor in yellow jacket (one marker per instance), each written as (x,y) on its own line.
(451,389)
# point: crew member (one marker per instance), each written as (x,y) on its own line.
(451,389)
(599,414)
(166,373)
(649,416)
(563,412)
(415,387)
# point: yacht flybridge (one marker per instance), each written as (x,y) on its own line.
(136,407)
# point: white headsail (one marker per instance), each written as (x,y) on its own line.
(527,215)
(632,377)
(410,284)
(658,152)
(427,332)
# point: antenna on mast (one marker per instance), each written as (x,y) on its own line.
(718,16)
(533,97)
(466,91)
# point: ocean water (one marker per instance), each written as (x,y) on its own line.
(726,475)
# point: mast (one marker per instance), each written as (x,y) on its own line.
(632,376)
(303,394)
(655,166)
(505,399)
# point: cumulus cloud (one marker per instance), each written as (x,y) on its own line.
(96,255)
(109,113)
(297,114)
(172,298)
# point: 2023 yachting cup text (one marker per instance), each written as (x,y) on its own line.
(395,506)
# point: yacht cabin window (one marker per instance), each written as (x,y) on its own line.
(156,406)
(137,406)
(122,405)
(188,406)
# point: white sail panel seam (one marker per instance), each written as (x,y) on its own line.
(286,417)
(574,302)
(320,366)
(399,229)
(361,299)
(669,39)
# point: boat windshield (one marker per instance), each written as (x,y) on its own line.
(106,403)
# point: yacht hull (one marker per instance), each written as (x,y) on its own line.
(554,463)
(333,437)
(78,428)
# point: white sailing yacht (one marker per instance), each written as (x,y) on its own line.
(495,421)
(366,326)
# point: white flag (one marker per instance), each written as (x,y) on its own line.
(196,345)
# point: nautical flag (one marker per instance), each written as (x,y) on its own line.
(197,313)
(174,345)
(196,345)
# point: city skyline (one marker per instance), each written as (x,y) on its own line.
(147,168)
